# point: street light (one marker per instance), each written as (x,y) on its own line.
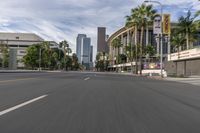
(161,35)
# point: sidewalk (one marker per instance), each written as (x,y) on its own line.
(194,80)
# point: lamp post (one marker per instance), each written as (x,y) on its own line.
(40,54)
(161,35)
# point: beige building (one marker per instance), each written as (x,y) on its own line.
(127,37)
(17,44)
(185,63)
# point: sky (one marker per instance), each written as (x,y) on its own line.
(58,20)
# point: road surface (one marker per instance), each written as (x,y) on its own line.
(76,102)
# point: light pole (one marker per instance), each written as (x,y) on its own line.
(40,53)
(161,35)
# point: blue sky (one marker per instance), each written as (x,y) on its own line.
(64,19)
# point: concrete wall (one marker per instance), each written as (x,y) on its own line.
(170,67)
(193,67)
(187,67)
(13,59)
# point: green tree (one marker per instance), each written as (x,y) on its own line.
(134,21)
(75,64)
(64,45)
(140,17)
(4,59)
(122,58)
(68,50)
(178,41)
(46,54)
(150,14)
(149,50)
(101,61)
(187,26)
(31,59)
(116,43)
(54,60)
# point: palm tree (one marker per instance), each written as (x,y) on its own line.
(69,51)
(150,50)
(187,26)
(143,20)
(116,43)
(64,45)
(140,17)
(133,21)
(5,55)
(150,13)
(75,64)
(46,53)
(197,22)
(178,41)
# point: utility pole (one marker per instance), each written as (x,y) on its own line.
(161,35)
(40,53)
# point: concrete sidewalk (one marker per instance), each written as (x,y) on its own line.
(194,80)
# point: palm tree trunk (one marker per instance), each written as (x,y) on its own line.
(178,51)
(118,55)
(136,50)
(147,35)
(187,38)
(141,46)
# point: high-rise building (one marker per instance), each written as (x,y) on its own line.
(91,53)
(85,54)
(79,45)
(101,40)
(91,56)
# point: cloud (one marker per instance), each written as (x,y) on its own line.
(64,19)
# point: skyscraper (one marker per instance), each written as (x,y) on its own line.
(79,45)
(101,40)
(91,53)
(85,54)
(91,56)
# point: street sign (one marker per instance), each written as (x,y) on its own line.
(157,25)
(166,24)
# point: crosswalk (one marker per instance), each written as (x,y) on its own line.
(193,81)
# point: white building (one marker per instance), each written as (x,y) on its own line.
(17,44)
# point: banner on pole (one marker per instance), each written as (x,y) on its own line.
(166,24)
(157,24)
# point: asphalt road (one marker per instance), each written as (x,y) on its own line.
(96,103)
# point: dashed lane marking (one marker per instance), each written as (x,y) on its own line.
(88,78)
(21,105)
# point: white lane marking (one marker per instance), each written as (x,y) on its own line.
(21,105)
(87,78)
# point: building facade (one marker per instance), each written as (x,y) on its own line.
(85,54)
(101,40)
(131,37)
(17,44)
(84,50)
(79,45)
(183,63)
(91,56)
